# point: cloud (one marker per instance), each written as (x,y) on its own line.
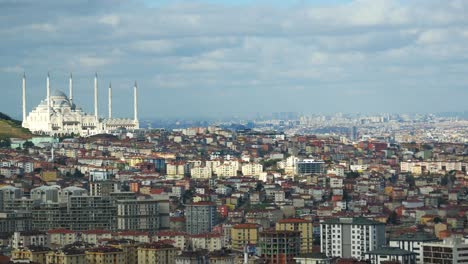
(111,20)
(93,62)
(251,52)
(13,69)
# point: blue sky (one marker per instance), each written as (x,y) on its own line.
(224,58)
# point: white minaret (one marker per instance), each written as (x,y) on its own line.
(24,98)
(135,103)
(96,97)
(110,100)
(71,89)
(48,94)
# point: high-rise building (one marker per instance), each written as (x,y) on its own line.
(138,215)
(280,247)
(200,217)
(348,237)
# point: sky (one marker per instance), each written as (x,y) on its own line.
(223,58)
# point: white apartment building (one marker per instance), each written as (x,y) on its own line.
(412,242)
(349,237)
(175,169)
(451,250)
(421,167)
(201,173)
(226,170)
(252,169)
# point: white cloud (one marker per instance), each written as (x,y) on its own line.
(46,27)
(204,46)
(13,69)
(111,20)
(93,62)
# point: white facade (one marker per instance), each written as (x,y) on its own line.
(418,167)
(58,115)
(350,237)
(413,243)
(226,170)
(451,250)
(252,169)
(201,172)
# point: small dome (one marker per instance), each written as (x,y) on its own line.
(58,93)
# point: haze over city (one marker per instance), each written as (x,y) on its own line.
(225,58)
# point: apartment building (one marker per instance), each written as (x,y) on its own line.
(347,237)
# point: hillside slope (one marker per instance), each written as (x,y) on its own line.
(10,128)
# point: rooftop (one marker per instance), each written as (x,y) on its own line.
(351,221)
(390,251)
(418,236)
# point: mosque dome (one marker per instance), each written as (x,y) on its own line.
(58,93)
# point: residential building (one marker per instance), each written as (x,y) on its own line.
(305,228)
(244,234)
(390,254)
(451,250)
(102,255)
(310,166)
(412,242)
(350,237)
(280,247)
(157,253)
(200,217)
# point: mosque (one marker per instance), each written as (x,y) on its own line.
(58,115)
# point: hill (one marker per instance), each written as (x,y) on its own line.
(11,128)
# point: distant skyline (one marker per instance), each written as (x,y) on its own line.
(226,58)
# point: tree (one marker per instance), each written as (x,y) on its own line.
(392,218)
(352,175)
(444,180)
(28,144)
(5,143)
(259,187)
(410,180)
(78,174)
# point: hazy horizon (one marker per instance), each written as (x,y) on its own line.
(239,58)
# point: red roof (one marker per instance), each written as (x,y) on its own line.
(170,233)
(245,226)
(97,232)
(60,231)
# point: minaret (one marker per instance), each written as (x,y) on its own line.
(135,103)
(24,98)
(71,89)
(48,94)
(96,97)
(110,100)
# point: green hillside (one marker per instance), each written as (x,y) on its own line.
(10,128)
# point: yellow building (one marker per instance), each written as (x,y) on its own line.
(243,234)
(70,256)
(160,253)
(48,176)
(34,254)
(134,160)
(129,248)
(107,255)
(303,226)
